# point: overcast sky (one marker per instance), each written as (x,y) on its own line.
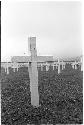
(56,25)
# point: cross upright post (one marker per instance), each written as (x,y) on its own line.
(33,72)
(81,63)
(58,66)
(7,68)
(62,65)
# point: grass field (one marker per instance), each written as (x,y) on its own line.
(60,97)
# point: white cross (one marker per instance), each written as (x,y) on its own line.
(33,72)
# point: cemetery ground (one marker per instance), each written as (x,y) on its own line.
(60,97)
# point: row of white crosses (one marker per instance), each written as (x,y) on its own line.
(55,64)
(74,64)
(16,66)
(33,72)
(7,65)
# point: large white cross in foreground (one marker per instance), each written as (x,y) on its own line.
(33,72)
